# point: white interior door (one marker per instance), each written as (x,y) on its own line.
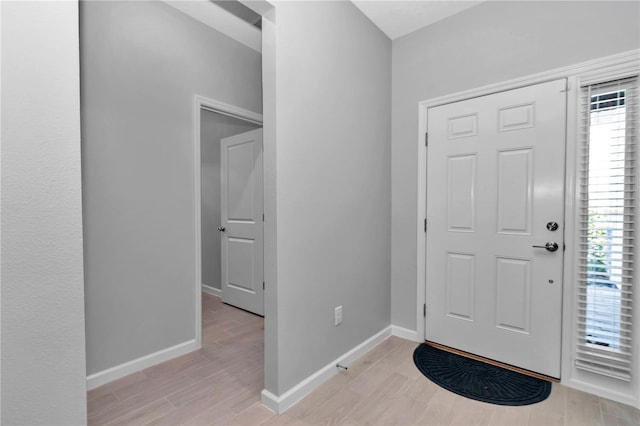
(495,179)
(242,221)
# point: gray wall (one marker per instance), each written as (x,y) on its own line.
(141,64)
(43,344)
(489,43)
(213,127)
(333,186)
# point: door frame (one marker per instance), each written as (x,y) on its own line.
(614,66)
(201,103)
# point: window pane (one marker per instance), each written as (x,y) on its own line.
(606,207)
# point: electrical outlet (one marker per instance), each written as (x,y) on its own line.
(337,315)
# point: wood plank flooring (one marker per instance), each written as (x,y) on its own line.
(221,384)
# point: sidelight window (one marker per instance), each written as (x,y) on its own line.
(607,214)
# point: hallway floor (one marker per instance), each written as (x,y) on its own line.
(221,384)
(215,383)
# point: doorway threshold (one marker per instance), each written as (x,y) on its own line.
(493,362)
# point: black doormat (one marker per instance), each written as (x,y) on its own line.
(478,380)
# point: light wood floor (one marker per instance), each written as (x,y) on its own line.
(221,384)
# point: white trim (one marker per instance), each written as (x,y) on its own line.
(214,105)
(221,20)
(197,197)
(615,66)
(405,333)
(571,195)
(212,290)
(422,214)
(270,401)
(622,61)
(102,377)
(279,404)
(601,391)
(200,103)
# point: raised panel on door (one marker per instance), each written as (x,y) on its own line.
(461,182)
(515,117)
(240,252)
(515,191)
(460,285)
(463,127)
(513,294)
(495,177)
(240,181)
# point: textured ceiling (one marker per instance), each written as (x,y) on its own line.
(400,17)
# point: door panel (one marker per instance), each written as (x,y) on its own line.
(460,285)
(513,294)
(242,224)
(461,182)
(495,177)
(239,254)
(240,185)
(515,189)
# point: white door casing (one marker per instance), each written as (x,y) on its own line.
(242,221)
(495,178)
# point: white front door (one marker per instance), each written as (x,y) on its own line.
(242,221)
(495,188)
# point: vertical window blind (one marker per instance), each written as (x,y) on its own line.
(607,182)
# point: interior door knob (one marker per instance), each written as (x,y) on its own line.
(221,228)
(551,246)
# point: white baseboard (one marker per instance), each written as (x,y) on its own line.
(212,290)
(270,401)
(279,404)
(623,398)
(102,377)
(405,333)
